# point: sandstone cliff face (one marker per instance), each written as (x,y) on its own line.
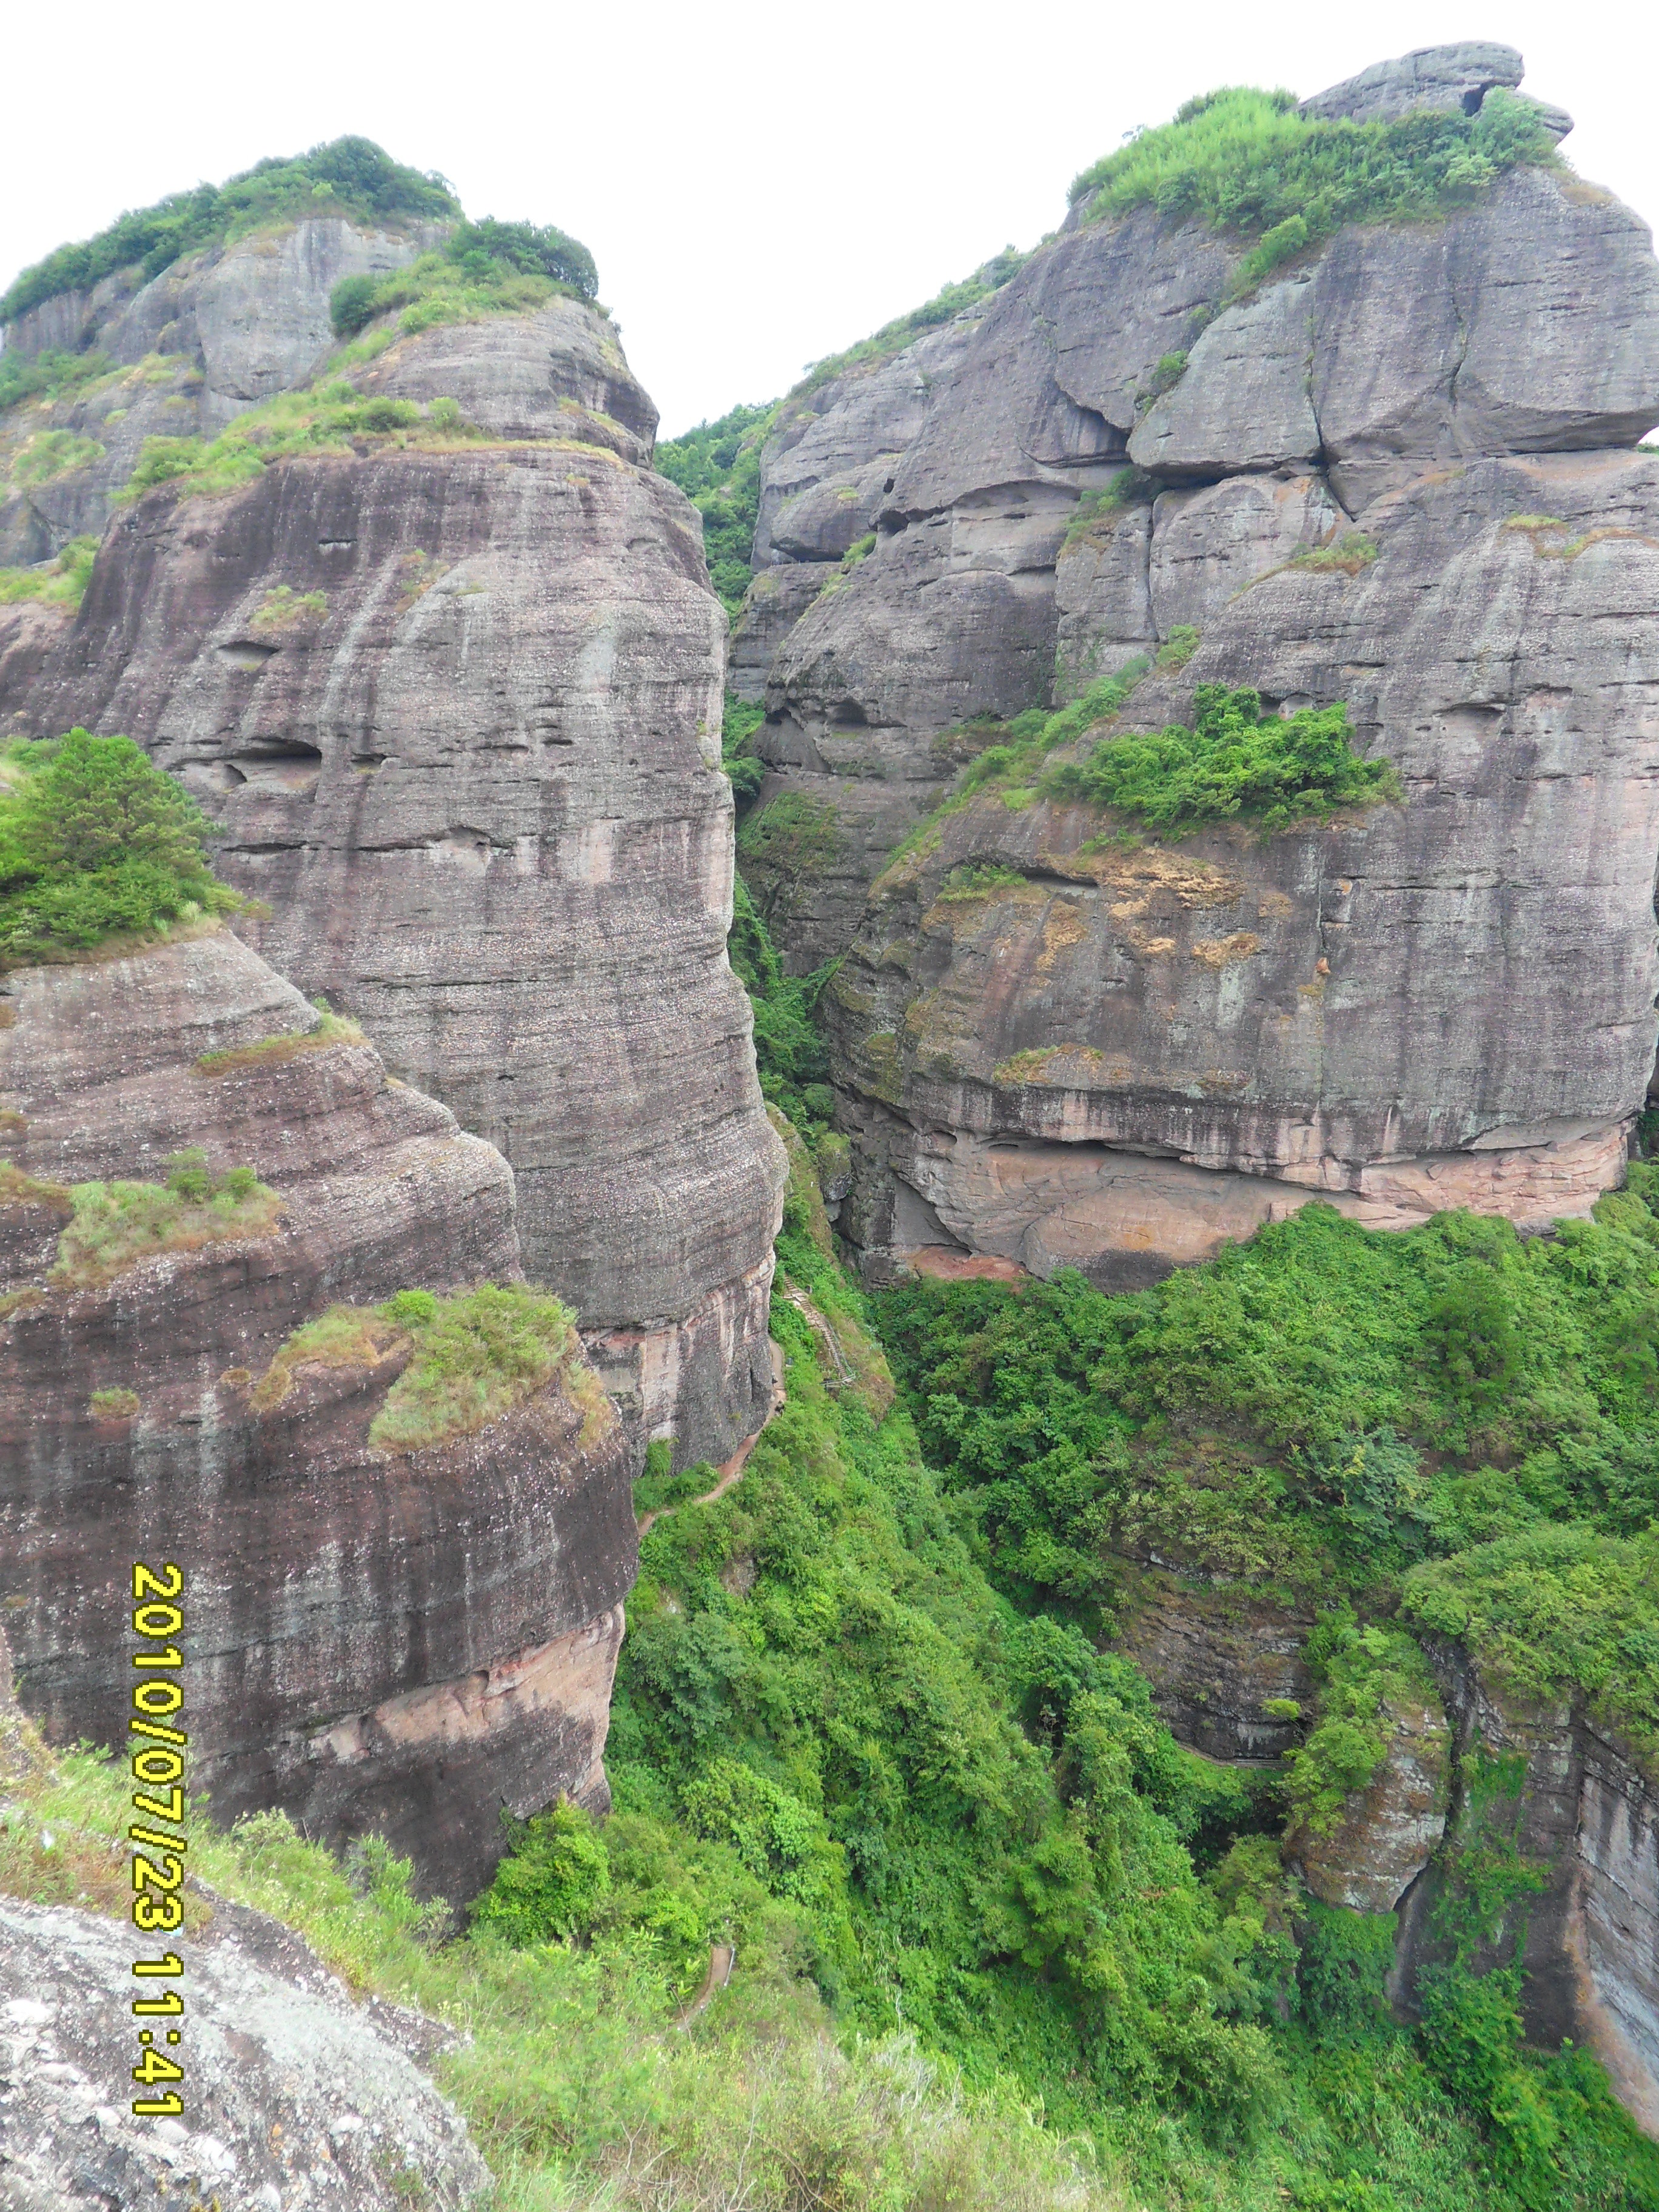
(1115,1058)
(208,338)
(386,1641)
(1560,1786)
(476,775)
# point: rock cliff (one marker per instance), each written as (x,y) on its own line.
(195,347)
(387,1634)
(456,701)
(1398,473)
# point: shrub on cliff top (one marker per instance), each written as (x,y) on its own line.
(116,1224)
(347,176)
(473,1357)
(1235,760)
(95,844)
(1245,161)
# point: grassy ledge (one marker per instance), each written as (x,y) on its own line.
(115,1226)
(1245,161)
(330,1028)
(472,1357)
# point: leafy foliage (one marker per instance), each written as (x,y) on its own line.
(791,1056)
(97,844)
(347,176)
(484,268)
(1245,161)
(717,466)
(1236,760)
(60,582)
(50,373)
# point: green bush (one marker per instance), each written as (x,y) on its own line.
(717,466)
(1245,161)
(353,304)
(532,250)
(347,176)
(60,582)
(115,1225)
(552,1883)
(1236,760)
(97,844)
(51,372)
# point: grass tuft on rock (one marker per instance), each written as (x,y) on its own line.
(330,1028)
(61,582)
(472,1357)
(116,1225)
(1244,160)
(97,846)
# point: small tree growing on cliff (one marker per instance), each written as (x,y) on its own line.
(96,842)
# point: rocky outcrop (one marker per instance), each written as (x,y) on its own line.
(198,345)
(1558,1786)
(1216,1655)
(392,1639)
(1388,1831)
(1455,78)
(1400,476)
(457,708)
(1526,322)
(1409,1009)
(297,2095)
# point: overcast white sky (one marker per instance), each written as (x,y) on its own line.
(760,184)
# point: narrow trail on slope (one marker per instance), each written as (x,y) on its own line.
(732,1469)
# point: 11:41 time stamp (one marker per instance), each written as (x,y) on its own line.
(160,1741)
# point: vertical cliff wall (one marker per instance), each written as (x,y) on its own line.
(457,706)
(383,1637)
(1398,473)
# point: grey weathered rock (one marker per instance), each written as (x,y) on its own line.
(1388,1832)
(1210,545)
(385,1642)
(1242,401)
(1579,1804)
(472,762)
(1216,1655)
(558,373)
(1448,1001)
(208,338)
(296,2096)
(1527,322)
(1457,77)
(776,600)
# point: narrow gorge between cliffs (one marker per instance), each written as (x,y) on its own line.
(870,1196)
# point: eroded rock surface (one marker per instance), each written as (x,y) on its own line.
(1061,1055)
(298,2097)
(198,345)
(380,1641)
(1393,360)
(471,760)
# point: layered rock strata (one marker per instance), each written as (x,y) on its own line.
(386,1640)
(1401,476)
(195,347)
(457,707)
(1564,1790)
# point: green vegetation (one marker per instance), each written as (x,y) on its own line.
(741,721)
(793,836)
(114,1405)
(60,582)
(1246,162)
(97,847)
(50,374)
(484,268)
(329,1029)
(717,466)
(333,417)
(471,1357)
(349,176)
(51,453)
(116,1225)
(1234,760)
(791,1057)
